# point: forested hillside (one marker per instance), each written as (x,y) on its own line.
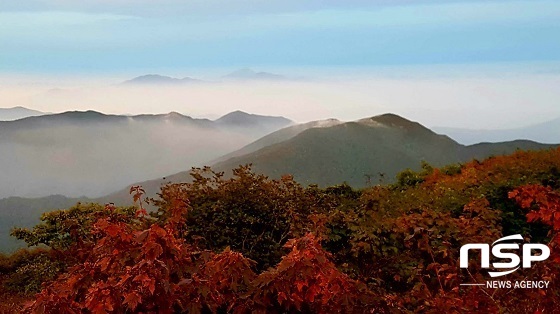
(252,244)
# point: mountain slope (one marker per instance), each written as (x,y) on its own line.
(377,147)
(369,149)
(277,137)
(152,187)
(16,113)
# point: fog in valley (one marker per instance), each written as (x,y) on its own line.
(93,155)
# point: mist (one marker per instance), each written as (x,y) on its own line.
(99,158)
(94,156)
(475,101)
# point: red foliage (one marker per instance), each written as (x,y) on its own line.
(305,280)
(543,204)
(153,270)
(404,249)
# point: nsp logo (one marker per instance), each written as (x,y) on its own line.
(498,251)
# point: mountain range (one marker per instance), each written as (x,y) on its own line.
(155,79)
(92,154)
(16,113)
(327,152)
(245,74)
(331,152)
(249,74)
(355,152)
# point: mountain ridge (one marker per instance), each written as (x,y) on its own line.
(74,153)
(396,142)
(241,118)
(18,112)
(249,74)
(159,79)
(324,152)
(243,74)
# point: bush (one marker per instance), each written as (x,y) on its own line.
(249,213)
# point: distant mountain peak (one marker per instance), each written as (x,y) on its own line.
(87,115)
(175,116)
(158,79)
(391,118)
(242,117)
(250,74)
(236,113)
(154,76)
(18,112)
(242,120)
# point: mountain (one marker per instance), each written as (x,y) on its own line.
(277,137)
(331,152)
(377,147)
(15,113)
(249,74)
(155,79)
(325,152)
(546,132)
(240,121)
(152,187)
(244,74)
(91,153)
(355,152)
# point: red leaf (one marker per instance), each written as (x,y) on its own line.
(132,300)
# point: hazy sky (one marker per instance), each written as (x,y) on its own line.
(364,56)
(58,36)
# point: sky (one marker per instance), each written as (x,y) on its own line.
(369,56)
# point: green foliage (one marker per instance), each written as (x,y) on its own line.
(452,169)
(25,212)
(26,270)
(249,213)
(65,234)
(408,178)
(61,229)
